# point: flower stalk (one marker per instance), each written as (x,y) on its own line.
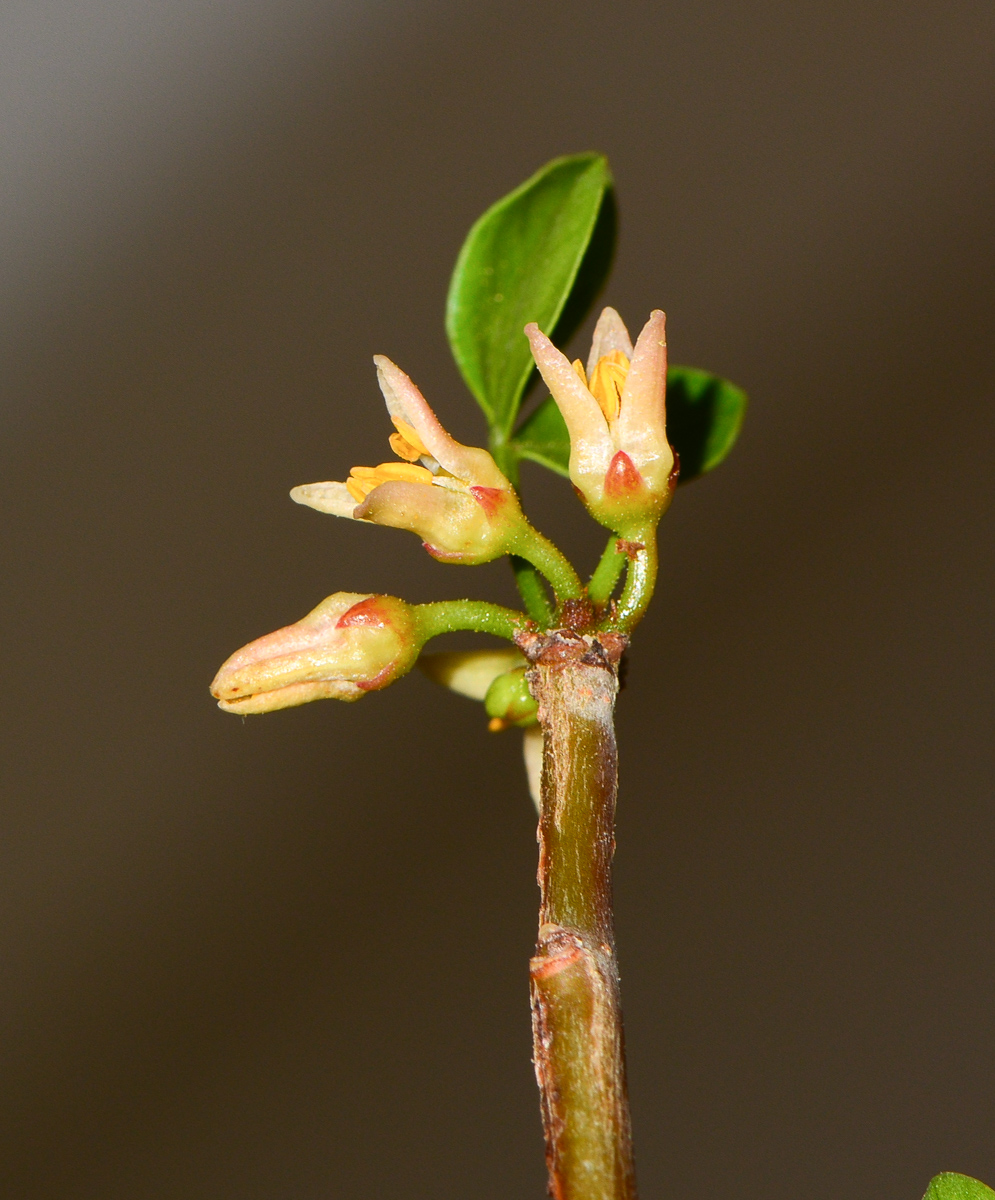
(578,1044)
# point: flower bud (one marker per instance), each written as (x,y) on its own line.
(509,702)
(351,644)
(470,672)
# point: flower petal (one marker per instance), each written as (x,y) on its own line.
(610,334)
(406,403)
(642,422)
(329,497)
(293,695)
(590,442)
(469,672)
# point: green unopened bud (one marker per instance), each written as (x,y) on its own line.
(509,702)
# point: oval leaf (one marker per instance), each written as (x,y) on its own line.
(704,416)
(543,437)
(518,264)
(951,1186)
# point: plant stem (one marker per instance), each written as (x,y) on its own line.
(551,561)
(606,573)
(532,591)
(576,1013)
(527,578)
(479,616)
(639,583)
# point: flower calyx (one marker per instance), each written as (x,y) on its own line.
(351,644)
(615,412)
(453,496)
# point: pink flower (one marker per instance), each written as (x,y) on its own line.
(453,496)
(615,412)
(349,645)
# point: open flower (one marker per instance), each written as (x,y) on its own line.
(453,496)
(349,645)
(615,412)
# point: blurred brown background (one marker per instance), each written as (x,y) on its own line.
(285,959)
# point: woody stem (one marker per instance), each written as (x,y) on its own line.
(576,1013)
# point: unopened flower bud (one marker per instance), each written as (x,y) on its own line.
(351,644)
(615,412)
(470,672)
(509,702)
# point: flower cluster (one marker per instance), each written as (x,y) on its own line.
(466,510)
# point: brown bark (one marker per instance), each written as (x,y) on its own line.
(576,1013)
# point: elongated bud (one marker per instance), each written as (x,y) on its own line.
(351,644)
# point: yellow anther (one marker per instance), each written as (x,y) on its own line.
(607,382)
(578,366)
(406,443)
(362,480)
(496,724)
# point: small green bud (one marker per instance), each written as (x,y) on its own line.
(509,702)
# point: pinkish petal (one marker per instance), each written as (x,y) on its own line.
(641,429)
(293,695)
(331,498)
(610,334)
(590,442)
(446,519)
(404,401)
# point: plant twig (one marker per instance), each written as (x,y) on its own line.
(576,1013)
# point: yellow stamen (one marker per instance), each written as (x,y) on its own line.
(578,366)
(496,724)
(362,480)
(406,443)
(607,382)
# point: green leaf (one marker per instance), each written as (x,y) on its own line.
(543,437)
(519,264)
(704,416)
(951,1186)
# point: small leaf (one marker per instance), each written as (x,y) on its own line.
(543,437)
(704,416)
(518,264)
(951,1186)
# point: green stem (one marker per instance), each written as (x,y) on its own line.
(606,573)
(576,1011)
(639,583)
(536,553)
(479,616)
(553,563)
(532,590)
